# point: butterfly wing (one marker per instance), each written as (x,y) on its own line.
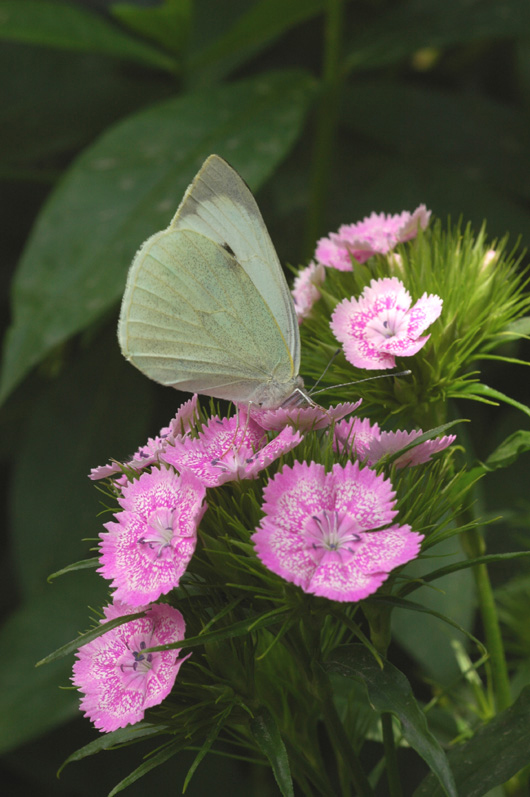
(219,205)
(192,318)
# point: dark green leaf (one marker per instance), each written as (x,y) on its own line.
(31,700)
(425,638)
(255,29)
(242,628)
(493,396)
(440,23)
(85,564)
(509,450)
(126,187)
(84,639)
(71,27)
(389,691)
(98,408)
(267,735)
(167,24)
(167,752)
(496,752)
(210,739)
(108,740)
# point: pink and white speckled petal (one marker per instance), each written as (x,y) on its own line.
(332,253)
(285,441)
(283,552)
(118,681)
(364,494)
(390,442)
(409,228)
(344,582)
(354,436)
(145,553)
(426,310)
(304,418)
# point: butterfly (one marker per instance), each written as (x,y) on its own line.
(206,307)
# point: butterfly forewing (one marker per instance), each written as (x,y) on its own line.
(192,318)
(219,205)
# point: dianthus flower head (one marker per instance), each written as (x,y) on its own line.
(378,233)
(381,324)
(317,530)
(303,418)
(117,678)
(148,546)
(365,441)
(305,290)
(148,454)
(387,443)
(228,449)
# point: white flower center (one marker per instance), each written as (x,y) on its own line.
(159,532)
(332,533)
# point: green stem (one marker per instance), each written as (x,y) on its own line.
(326,121)
(392,772)
(346,756)
(474,545)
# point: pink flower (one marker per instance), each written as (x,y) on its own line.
(317,534)
(354,436)
(365,441)
(375,234)
(184,420)
(146,550)
(381,325)
(390,442)
(228,449)
(303,418)
(305,291)
(118,679)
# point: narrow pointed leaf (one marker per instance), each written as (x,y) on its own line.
(267,735)
(389,691)
(496,753)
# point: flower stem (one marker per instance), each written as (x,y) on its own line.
(346,756)
(326,120)
(392,772)
(474,546)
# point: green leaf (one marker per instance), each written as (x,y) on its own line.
(70,27)
(88,636)
(213,733)
(493,396)
(107,741)
(167,24)
(163,755)
(241,628)
(439,23)
(75,409)
(509,450)
(426,639)
(31,700)
(85,564)
(267,735)
(496,752)
(127,186)
(264,22)
(389,691)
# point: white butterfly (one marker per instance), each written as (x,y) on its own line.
(206,307)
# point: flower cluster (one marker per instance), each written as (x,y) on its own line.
(327,530)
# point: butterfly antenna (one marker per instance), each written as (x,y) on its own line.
(357,381)
(324,372)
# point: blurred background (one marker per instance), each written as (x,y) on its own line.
(108,109)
